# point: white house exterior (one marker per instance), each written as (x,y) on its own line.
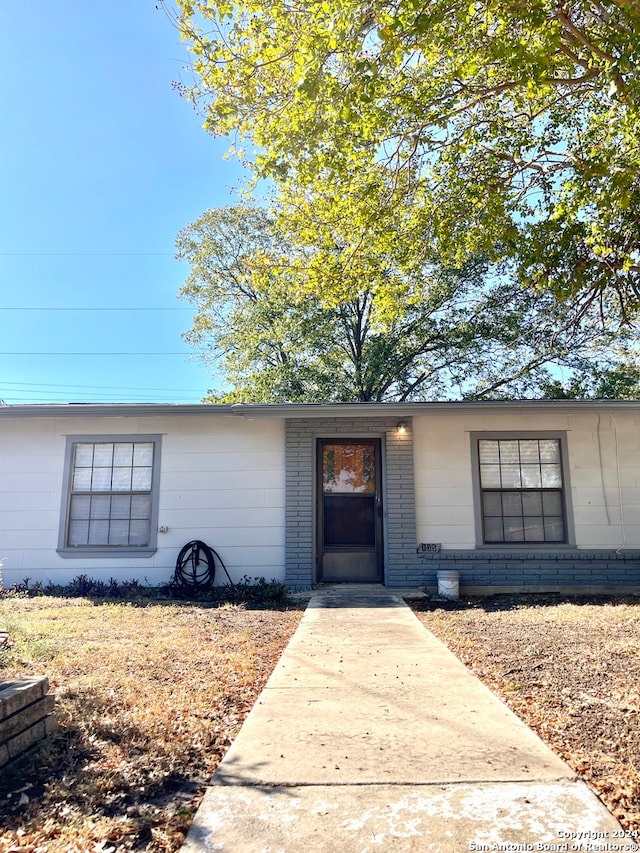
(512,495)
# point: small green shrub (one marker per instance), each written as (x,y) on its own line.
(261,590)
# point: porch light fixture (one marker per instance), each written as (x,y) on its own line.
(402,428)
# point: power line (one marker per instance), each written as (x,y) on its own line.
(98,394)
(75,354)
(4,382)
(57,308)
(85,397)
(98,398)
(86,254)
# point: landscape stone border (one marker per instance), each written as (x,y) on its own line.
(26,715)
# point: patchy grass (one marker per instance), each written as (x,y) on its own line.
(570,668)
(148,699)
(149,695)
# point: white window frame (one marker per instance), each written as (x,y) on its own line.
(569,540)
(84,550)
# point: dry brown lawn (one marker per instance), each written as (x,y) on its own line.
(148,699)
(568,667)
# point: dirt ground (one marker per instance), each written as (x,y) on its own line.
(148,699)
(570,669)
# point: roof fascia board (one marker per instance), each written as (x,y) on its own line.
(347,410)
(304,410)
(111,410)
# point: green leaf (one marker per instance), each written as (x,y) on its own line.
(508,129)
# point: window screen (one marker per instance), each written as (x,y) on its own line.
(110,495)
(521,490)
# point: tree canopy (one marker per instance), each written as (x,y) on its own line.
(460,332)
(502,128)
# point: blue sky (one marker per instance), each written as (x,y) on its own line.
(102,164)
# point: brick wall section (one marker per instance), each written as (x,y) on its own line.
(401,564)
(602,570)
(614,570)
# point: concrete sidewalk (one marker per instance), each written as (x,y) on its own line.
(371,736)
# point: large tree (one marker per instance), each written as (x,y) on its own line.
(460,332)
(617,379)
(506,128)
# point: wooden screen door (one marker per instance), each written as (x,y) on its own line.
(349,511)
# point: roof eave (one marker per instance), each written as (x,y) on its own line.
(302,410)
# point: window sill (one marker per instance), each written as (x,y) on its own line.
(111,552)
(525,546)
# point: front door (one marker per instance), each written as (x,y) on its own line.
(349,511)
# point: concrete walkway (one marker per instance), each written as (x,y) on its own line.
(371,736)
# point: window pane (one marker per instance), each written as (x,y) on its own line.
(348,468)
(121,479)
(101,480)
(551,476)
(534,529)
(103,455)
(531,477)
(488,451)
(143,454)
(509,453)
(99,532)
(511,503)
(78,532)
(554,530)
(123,455)
(141,506)
(80,507)
(529,453)
(84,456)
(139,533)
(121,506)
(492,504)
(552,503)
(490,476)
(511,476)
(549,450)
(119,532)
(141,479)
(532,503)
(493,530)
(100,506)
(81,480)
(513,530)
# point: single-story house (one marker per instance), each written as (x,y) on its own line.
(515,496)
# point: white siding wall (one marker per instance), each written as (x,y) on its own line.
(222,480)
(605,498)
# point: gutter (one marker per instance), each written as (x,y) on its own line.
(252,411)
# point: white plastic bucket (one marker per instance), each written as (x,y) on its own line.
(449,584)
